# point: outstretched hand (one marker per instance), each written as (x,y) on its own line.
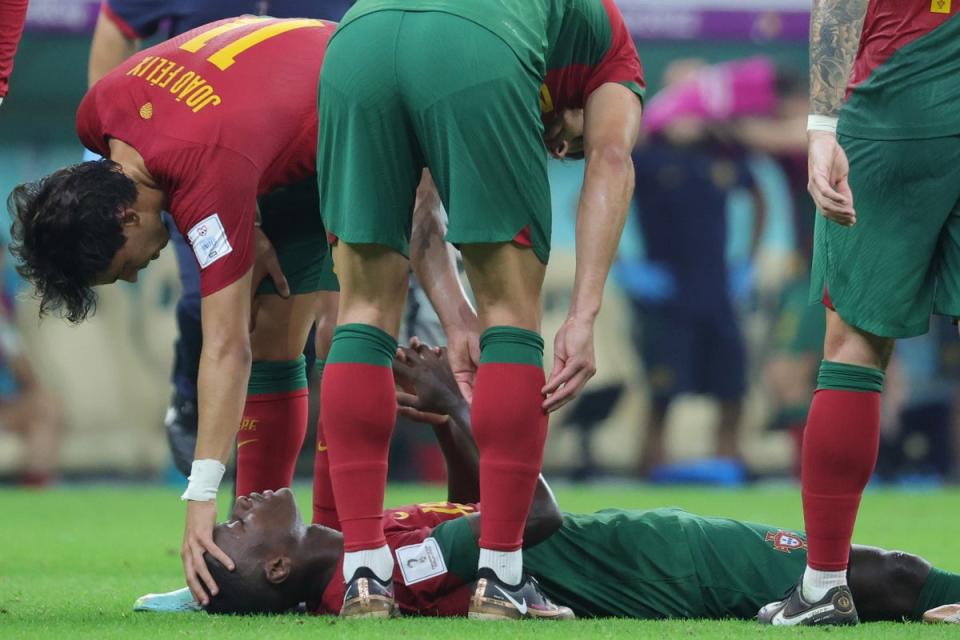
(197,540)
(429,389)
(573,363)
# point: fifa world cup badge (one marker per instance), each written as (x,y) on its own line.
(940,6)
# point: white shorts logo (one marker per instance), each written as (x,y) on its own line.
(209,240)
(419,562)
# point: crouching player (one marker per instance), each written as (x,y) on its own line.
(661,563)
(202,125)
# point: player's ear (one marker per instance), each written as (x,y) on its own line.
(129,217)
(277,570)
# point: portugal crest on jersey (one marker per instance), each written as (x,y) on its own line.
(785,541)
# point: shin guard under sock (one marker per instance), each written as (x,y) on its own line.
(358,409)
(840,445)
(273,427)
(510,427)
(324,504)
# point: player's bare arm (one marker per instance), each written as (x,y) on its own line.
(435,265)
(431,395)
(835,29)
(611,126)
(427,374)
(224,370)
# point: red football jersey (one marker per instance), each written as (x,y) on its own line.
(422,581)
(13,14)
(220,114)
(892,24)
(593,47)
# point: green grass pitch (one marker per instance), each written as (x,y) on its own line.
(73,560)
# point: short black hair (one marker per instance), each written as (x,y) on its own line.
(66,229)
(242,593)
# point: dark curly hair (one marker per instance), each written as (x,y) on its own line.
(66,230)
(246,592)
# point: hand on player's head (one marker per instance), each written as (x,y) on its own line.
(429,391)
(261,536)
(66,230)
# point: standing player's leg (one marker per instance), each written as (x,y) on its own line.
(508,420)
(275,414)
(368,167)
(839,450)
(324,503)
(475,109)
(879,280)
(358,406)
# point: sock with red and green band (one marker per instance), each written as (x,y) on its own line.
(840,446)
(510,427)
(273,427)
(324,504)
(358,409)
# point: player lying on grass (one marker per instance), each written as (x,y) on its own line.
(661,563)
(184,131)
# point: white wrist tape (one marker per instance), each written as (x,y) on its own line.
(204,480)
(822,123)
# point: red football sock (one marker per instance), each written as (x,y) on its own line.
(839,451)
(269,441)
(510,428)
(358,409)
(324,504)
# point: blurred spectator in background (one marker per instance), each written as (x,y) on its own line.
(26,408)
(690,342)
(758,106)
(121,27)
(797,342)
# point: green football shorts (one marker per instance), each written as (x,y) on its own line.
(291,220)
(901,261)
(440,91)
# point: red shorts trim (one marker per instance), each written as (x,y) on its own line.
(122,24)
(524,239)
(827,302)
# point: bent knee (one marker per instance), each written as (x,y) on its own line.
(848,344)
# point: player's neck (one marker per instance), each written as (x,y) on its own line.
(132,164)
(323,550)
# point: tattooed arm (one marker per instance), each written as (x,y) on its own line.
(435,266)
(835,29)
